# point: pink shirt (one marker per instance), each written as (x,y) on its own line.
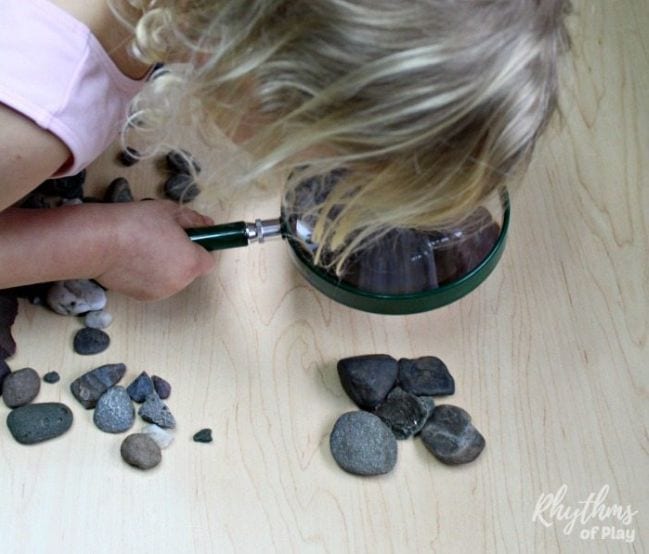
(54,71)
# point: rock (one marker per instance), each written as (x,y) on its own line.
(362,444)
(162,387)
(98,319)
(180,162)
(141,451)
(119,190)
(20,387)
(76,296)
(71,201)
(156,411)
(368,379)
(128,157)
(89,341)
(404,413)
(181,188)
(141,387)
(37,201)
(162,437)
(114,412)
(4,371)
(8,311)
(88,388)
(451,437)
(39,422)
(204,435)
(64,187)
(51,377)
(425,376)
(35,293)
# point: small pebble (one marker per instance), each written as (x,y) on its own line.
(75,297)
(141,451)
(128,157)
(425,376)
(180,161)
(89,341)
(64,187)
(20,387)
(404,413)
(368,379)
(204,435)
(71,201)
(114,412)
(8,312)
(51,377)
(162,387)
(119,190)
(88,388)
(451,437)
(181,188)
(39,422)
(98,319)
(362,444)
(140,388)
(156,411)
(162,437)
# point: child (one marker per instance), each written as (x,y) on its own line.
(429,105)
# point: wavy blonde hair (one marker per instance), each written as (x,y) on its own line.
(431,105)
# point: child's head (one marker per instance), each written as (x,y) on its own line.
(430,104)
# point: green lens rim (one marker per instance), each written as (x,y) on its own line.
(403,304)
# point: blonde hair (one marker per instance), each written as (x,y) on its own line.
(429,105)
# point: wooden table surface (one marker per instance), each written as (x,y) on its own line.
(549,356)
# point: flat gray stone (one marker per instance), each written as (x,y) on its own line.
(20,387)
(76,296)
(404,413)
(156,411)
(425,376)
(114,412)
(141,451)
(368,379)
(88,341)
(362,444)
(35,423)
(88,388)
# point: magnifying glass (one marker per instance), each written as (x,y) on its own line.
(406,271)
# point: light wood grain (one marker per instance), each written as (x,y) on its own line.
(550,357)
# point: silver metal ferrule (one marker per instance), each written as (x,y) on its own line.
(263,229)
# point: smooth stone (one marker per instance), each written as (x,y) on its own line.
(20,387)
(362,444)
(404,413)
(425,376)
(162,387)
(4,371)
(128,157)
(156,411)
(204,435)
(64,187)
(8,311)
(39,422)
(114,412)
(368,379)
(76,296)
(37,201)
(141,451)
(451,437)
(162,437)
(88,341)
(51,377)
(88,388)
(181,188)
(140,388)
(119,190)
(180,161)
(98,319)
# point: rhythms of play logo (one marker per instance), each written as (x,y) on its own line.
(614,522)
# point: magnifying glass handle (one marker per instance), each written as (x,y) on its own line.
(234,235)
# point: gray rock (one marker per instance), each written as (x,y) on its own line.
(156,411)
(141,387)
(451,437)
(20,387)
(362,444)
(98,319)
(204,435)
(114,412)
(51,377)
(404,413)
(91,385)
(181,188)
(88,341)
(119,190)
(75,297)
(128,157)
(162,387)
(39,422)
(368,379)
(162,437)
(425,376)
(181,161)
(141,451)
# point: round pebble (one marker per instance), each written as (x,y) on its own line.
(98,319)
(162,387)
(51,377)
(39,422)
(180,161)
(76,296)
(20,387)
(89,341)
(204,435)
(162,437)
(141,451)
(114,412)
(362,444)
(181,188)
